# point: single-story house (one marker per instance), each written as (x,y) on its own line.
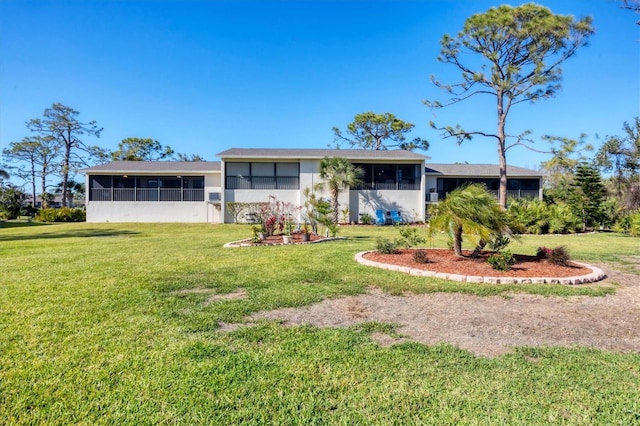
(172,191)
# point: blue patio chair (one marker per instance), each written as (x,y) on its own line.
(380,219)
(396,218)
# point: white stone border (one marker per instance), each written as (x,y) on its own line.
(248,242)
(596,274)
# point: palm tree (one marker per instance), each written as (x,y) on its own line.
(470,210)
(338,174)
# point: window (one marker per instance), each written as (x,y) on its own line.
(146,188)
(262,175)
(389,176)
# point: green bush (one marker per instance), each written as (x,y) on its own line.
(386,246)
(409,236)
(502,261)
(538,217)
(64,214)
(634,224)
(562,219)
(366,219)
(629,224)
(499,242)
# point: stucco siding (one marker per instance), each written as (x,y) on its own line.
(131,211)
(410,204)
(257,196)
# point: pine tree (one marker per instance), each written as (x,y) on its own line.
(587,194)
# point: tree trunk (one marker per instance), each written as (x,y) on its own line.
(481,245)
(457,240)
(65,167)
(43,186)
(502,152)
(33,185)
(335,193)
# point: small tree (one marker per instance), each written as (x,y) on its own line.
(521,50)
(338,174)
(11,201)
(469,210)
(587,194)
(560,169)
(378,132)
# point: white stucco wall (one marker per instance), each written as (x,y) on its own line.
(410,204)
(257,196)
(150,211)
(309,177)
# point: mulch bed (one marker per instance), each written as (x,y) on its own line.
(443,260)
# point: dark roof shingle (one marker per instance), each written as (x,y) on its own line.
(477,170)
(156,167)
(350,154)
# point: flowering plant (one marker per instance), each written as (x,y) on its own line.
(543,252)
(270,224)
(276,216)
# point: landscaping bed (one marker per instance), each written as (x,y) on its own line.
(445,261)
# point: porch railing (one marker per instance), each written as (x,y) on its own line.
(146,194)
(390,185)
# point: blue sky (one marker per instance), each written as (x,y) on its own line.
(205,76)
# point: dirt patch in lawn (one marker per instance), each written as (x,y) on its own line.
(489,326)
(213,297)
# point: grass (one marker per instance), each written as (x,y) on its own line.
(94,329)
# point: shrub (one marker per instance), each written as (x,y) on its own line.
(539,217)
(502,261)
(499,242)
(333,228)
(420,256)
(409,237)
(629,224)
(386,246)
(634,224)
(559,256)
(365,219)
(64,214)
(543,252)
(563,220)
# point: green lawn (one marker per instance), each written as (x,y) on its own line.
(94,329)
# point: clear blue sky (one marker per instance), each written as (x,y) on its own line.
(204,76)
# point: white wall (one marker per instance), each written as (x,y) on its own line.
(309,177)
(148,211)
(257,196)
(410,204)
